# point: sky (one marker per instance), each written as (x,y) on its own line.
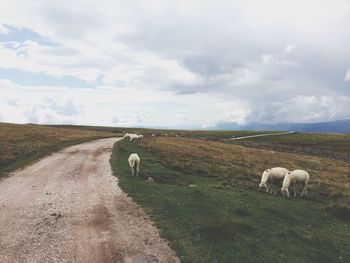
(174,64)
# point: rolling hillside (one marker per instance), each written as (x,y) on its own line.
(339,126)
(204,197)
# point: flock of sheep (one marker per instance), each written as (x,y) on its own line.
(133,136)
(134,159)
(288,178)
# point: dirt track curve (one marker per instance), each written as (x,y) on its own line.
(262,135)
(68,208)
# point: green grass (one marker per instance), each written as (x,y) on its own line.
(207,223)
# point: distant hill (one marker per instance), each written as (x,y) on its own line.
(339,126)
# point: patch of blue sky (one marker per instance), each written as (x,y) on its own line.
(21,34)
(14,46)
(26,78)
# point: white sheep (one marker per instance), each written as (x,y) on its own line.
(273,174)
(133,137)
(126,135)
(134,163)
(293,178)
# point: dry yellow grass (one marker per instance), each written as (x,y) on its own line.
(330,179)
(19,141)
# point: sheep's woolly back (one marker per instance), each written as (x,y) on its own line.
(296,176)
(276,173)
(133,160)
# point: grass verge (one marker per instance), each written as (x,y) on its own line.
(23,144)
(206,222)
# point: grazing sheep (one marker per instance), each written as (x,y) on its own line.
(134,162)
(126,135)
(273,174)
(293,178)
(133,137)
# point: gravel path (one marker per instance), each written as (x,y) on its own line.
(69,208)
(261,135)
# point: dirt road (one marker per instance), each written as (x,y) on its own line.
(69,208)
(262,135)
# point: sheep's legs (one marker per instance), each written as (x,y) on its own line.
(303,191)
(270,187)
(137,169)
(294,191)
(287,193)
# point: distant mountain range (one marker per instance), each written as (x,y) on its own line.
(339,126)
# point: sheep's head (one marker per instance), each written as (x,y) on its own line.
(263,187)
(285,192)
(264,178)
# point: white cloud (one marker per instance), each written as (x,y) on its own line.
(3,29)
(313,108)
(237,112)
(105,106)
(289,48)
(170,63)
(11,113)
(268,59)
(347,75)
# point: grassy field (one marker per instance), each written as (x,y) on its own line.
(212,134)
(331,145)
(204,198)
(205,201)
(23,144)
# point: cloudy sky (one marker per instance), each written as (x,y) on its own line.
(174,63)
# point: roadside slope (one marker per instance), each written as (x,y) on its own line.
(21,144)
